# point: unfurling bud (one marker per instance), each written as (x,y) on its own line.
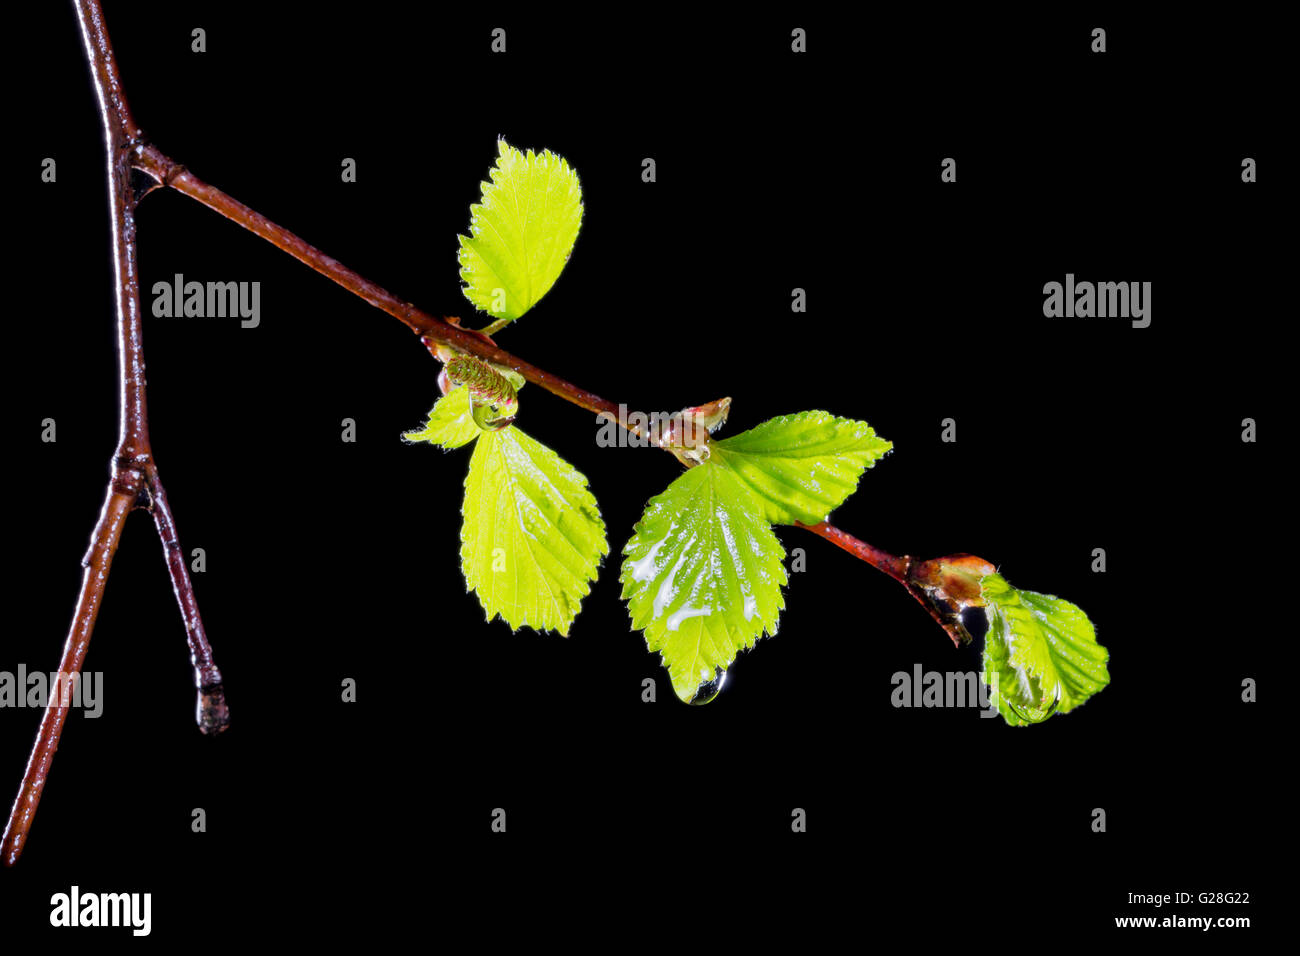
(687,433)
(492,397)
(950,585)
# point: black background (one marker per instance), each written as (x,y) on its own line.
(328,560)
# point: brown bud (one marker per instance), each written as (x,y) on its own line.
(687,433)
(950,585)
(955,578)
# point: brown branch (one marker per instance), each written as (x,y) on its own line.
(134,481)
(211,713)
(430,328)
(118,504)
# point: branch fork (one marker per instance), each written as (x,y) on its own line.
(136,168)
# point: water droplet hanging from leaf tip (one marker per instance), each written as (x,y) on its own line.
(709,689)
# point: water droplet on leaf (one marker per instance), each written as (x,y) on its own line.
(710,689)
(1034,715)
(488,417)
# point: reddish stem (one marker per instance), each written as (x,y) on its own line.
(891,564)
(900,568)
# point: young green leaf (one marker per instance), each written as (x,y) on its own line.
(1041,654)
(702,575)
(451,423)
(801,467)
(521,233)
(533,537)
